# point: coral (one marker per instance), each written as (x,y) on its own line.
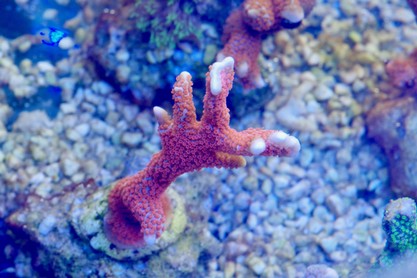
(402,72)
(166,22)
(244,45)
(400,226)
(136,216)
(139,46)
(87,222)
(246,25)
(392,124)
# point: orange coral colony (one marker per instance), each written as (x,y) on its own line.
(136,215)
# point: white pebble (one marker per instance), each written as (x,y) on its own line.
(69,166)
(82,129)
(44,66)
(336,205)
(256,264)
(47,224)
(66,43)
(322,92)
(49,14)
(131,139)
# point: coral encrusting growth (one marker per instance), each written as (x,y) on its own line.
(136,208)
(245,27)
(62,234)
(400,226)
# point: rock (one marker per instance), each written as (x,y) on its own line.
(82,129)
(69,166)
(229,270)
(25,122)
(68,228)
(323,92)
(132,139)
(45,66)
(102,87)
(3,132)
(5,113)
(256,264)
(336,204)
(47,224)
(403,15)
(123,72)
(393,125)
(328,244)
(320,271)
(252,221)
(242,200)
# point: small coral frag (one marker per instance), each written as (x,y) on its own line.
(136,208)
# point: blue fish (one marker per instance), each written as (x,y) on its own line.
(54,35)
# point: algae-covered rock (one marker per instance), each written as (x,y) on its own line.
(87,220)
(63,236)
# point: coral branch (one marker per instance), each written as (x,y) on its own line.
(137,208)
(246,25)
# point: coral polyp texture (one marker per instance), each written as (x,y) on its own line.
(137,207)
(399,255)
(245,27)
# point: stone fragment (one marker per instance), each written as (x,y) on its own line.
(393,125)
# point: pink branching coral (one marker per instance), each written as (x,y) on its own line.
(137,206)
(244,29)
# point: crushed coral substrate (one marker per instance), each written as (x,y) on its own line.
(76,117)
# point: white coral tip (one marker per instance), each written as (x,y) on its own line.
(278,137)
(160,114)
(185,74)
(290,143)
(293,145)
(215,77)
(257,146)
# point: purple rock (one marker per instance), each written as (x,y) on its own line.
(393,125)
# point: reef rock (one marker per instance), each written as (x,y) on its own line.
(63,235)
(393,125)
